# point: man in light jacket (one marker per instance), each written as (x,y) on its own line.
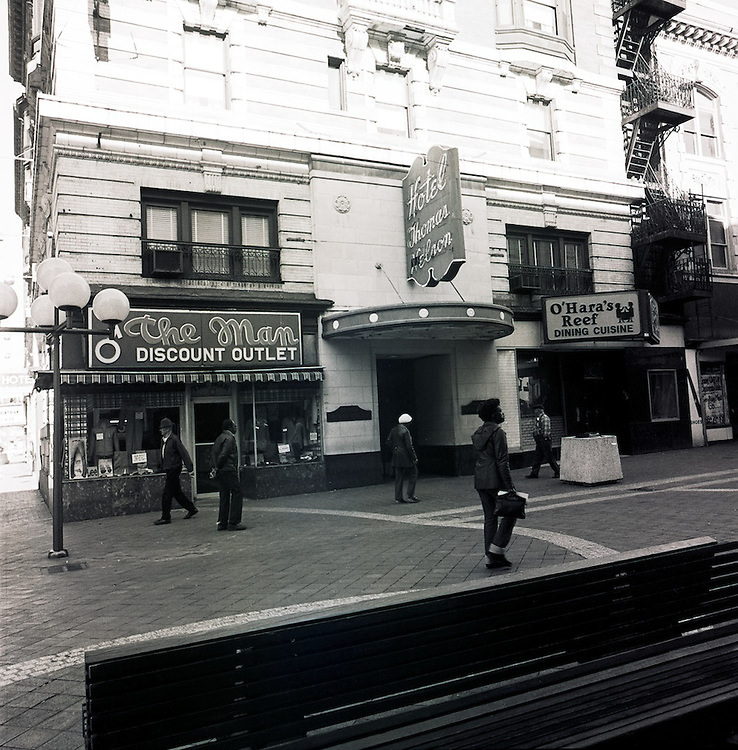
(404,460)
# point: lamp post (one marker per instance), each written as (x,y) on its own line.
(67,291)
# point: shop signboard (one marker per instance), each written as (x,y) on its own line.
(434,230)
(603,316)
(198,339)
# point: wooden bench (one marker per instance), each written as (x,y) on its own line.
(570,657)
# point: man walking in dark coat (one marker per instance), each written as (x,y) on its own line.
(173,455)
(225,463)
(404,460)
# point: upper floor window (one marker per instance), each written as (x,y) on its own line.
(716,234)
(547,261)
(549,17)
(198,237)
(540,131)
(205,68)
(392,102)
(337,83)
(701,134)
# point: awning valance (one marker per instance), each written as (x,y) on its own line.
(84,377)
(439,320)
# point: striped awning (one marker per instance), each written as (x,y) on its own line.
(83,377)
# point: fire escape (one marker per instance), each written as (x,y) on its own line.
(669,234)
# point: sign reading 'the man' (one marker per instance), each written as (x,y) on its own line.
(434,231)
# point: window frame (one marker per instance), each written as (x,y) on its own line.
(337,90)
(235,252)
(544,127)
(559,240)
(388,105)
(514,28)
(694,137)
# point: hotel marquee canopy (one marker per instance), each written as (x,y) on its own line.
(455,321)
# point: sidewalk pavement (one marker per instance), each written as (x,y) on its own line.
(126,580)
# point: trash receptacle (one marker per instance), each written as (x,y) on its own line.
(591,459)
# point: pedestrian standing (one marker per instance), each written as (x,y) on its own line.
(173,455)
(544,451)
(492,474)
(225,463)
(404,461)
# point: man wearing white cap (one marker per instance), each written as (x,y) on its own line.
(404,460)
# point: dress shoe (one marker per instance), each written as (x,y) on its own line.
(222,527)
(531,476)
(191,513)
(413,499)
(497,561)
(556,476)
(162,522)
(236,527)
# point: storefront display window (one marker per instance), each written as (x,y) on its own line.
(280,426)
(107,435)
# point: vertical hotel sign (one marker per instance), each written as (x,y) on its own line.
(434,231)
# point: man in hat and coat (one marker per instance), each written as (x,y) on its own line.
(404,461)
(173,455)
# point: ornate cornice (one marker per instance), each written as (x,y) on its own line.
(712,40)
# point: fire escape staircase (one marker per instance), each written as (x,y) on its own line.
(668,230)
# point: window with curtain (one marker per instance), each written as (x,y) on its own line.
(392,104)
(205,70)
(663,395)
(210,240)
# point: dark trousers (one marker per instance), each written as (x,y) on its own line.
(544,455)
(173,489)
(401,474)
(497,530)
(231,499)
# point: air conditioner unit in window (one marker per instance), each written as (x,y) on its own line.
(165,259)
(525,282)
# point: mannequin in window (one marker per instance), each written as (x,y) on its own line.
(103,441)
(293,429)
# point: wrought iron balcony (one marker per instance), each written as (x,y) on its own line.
(659,95)
(680,275)
(675,222)
(189,260)
(547,280)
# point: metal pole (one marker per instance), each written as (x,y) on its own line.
(57,509)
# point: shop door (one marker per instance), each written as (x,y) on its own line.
(208,420)
(396,394)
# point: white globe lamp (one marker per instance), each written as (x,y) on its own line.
(69,291)
(49,269)
(111,306)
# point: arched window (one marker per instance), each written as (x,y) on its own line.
(702,134)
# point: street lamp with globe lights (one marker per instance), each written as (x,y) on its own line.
(66,291)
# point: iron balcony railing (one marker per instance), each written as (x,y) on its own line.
(197,260)
(669,217)
(656,87)
(678,275)
(547,280)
